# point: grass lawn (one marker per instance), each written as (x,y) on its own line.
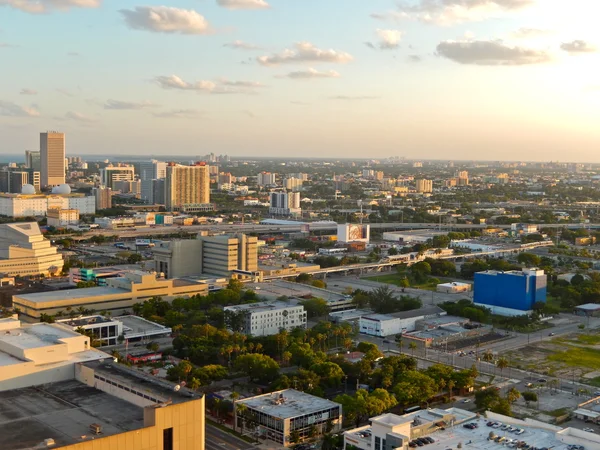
(395,279)
(578,357)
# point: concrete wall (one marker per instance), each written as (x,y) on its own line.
(28,374)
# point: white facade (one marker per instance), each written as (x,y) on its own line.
(105,330)
(62,217)
(20,205)
(453,288)
(285,203)
(293,184)
(266,179)
(266,319)
(404,322)
(474,246)
(110,174)
(353,233)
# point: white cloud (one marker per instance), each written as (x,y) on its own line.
(243,4)
(46,6)
(241,45)
(305,52)
(242,84)
(578,47)
(179,114)
(491,53)
(388,39)
(26,91)
(449,12)
(526,33)
(309,74)
(164,19)
(390,16)
(14,110)
(174,82)
(121,105)
(78,117)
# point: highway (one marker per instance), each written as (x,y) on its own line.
(217,439)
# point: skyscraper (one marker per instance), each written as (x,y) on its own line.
(103,196)
(52,158)
(32,160)
(186,186)
(111,174)
(149,171)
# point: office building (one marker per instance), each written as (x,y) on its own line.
(285,203)
(214,255)
(424,186)
(293,184)
(158,192)
(97,275)
(462,178)
(25,251)
(268,318)
(30,204)
(62,217)
(105,406)
(103,197)
(150,171)
(34,178)
(511,293)
(347,232)
(133,188)
(40,353)
(119,295)
(266,179)
(280,413)
(111,174)
(52,159)
(186,186)
(17,181)
(33,160)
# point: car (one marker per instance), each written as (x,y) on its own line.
(550,334)
(423,441)
(542,380)
(597,393)
(497,425)
(521,431)
(429,439)
(489,424)
(386,341)
(412,444)
(467,400)
(511,429)
(505,427)
(589,430)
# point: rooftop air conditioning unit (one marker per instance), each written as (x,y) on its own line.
(96,428)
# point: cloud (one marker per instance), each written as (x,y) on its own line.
(164,19)
(388,39)
(353,97)
(414,58)
(309,74)
(241,45)
(174,82)
(305,52)
(449,12)
(490,53)
(242,84)
(13,110)
(46,6)
(178,114)
(243,4)
(26,91)
(390,16)
(78,117)
(121,105)
(578,47)
(74,54)
(526,33)
(65,92)
(7,45)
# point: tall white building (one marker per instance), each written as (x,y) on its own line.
(149,171)
(52,158)
(266,179)
(187,186)
(293,184)
(267,318)
(285,203)
(424,186)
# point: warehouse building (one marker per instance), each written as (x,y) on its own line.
(280,413)
(402,322)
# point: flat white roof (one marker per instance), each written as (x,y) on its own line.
(35,336)
(288,403)
(260,307)
(71,294)
(135,326)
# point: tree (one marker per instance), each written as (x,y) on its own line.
(331,374)
(153,346)
(235,320)
(319,284)
(134,258)
(502,364)
(513,395)
(412,346)
(235,285)
(487,356)
(194,384)
(315,307)
(420,271)
(529,259)
(529,396)
(257,367)
(404,283)
(294,436)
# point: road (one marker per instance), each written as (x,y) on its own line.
(217,439)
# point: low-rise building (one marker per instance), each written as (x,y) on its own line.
(119,294)
(24,205)
(268,318)
(280,413)
(402,322)
(62,217)
(454,287)
(412,236)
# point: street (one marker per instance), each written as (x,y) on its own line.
(217,439)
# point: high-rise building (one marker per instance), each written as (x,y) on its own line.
(34,178)
(158,191)
(52,158)
(149,171)
(424,186)
(293,184)
(17,181)
(266,179)
(103,197)
(110,174)
(186,186)
(214,255)
(462,178)
(285,203)
(32,160)
(129,187)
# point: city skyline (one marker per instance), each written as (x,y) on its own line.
(453,79)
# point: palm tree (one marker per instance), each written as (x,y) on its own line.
(450,387)
(194,384)
(487,356)
(400,344)
(513,395)
(412,346)
(441,384)
(502,364)
(240,412)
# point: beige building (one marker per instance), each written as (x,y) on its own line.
(40,353)
(111,174)
(103,196)
(25,251)
(119,295)
(62,217)
(214,255)
(186,186)
(424,186)
(52,158)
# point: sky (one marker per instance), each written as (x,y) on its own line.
(431,79)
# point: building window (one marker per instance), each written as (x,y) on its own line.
(168,439)
(377,443)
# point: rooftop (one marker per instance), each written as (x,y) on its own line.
(35,336)
(135,325)
(288,403)
(84,320)
(589,307)
(62,411)
(71,294)
(260,307)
